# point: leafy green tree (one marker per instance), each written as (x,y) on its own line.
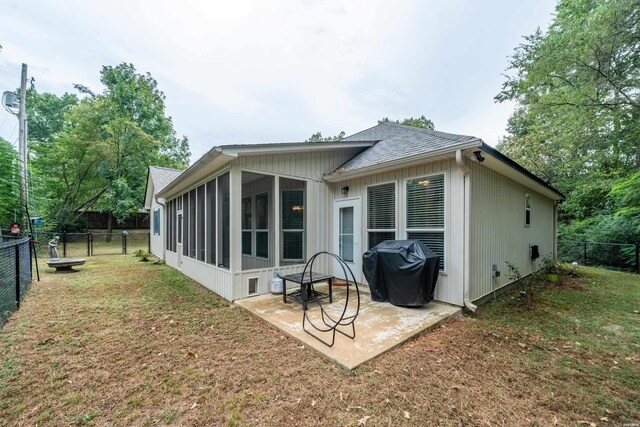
(317,137)
(10,207)
(577,93)
(99,157)
(420,122)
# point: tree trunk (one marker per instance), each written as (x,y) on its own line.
(109,226)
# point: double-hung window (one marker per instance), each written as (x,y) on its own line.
(381,213)
(425,220)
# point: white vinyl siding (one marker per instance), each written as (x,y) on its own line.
(381,213)
(425,216)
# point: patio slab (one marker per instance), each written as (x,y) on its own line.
(379,326)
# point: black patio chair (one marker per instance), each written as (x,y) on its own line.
(347,316)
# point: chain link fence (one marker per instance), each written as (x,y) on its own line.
(614,256)
(77,245)
(15,274)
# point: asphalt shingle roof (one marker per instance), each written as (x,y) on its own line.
(395,142)
(161,177)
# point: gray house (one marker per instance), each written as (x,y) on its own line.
(243,212)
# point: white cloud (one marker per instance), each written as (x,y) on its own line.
(252,71)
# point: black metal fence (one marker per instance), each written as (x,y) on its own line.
(615,256)
(15,274)
(75,245)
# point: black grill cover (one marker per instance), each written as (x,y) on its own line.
(403,272)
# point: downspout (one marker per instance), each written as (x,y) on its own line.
(466,230)
(164,215)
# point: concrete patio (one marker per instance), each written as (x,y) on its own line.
(379,326)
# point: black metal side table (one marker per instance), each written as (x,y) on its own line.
(307,293)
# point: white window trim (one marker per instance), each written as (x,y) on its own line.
(366,207)
(156,222)
(527,209)
(445,229)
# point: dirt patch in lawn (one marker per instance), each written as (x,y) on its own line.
(128,343)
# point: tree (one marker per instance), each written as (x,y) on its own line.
(99,158)
(317,137)
(420,122)
(577,90)
(10,207)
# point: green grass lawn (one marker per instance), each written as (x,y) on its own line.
(589,332)
(122,342)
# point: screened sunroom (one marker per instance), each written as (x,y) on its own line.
(232,231)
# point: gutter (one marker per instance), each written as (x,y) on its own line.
(466,269)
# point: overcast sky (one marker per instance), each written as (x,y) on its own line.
(271,71)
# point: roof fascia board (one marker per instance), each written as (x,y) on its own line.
(234,150)
(146,188)
(211,156)
(404,162)
(533,181)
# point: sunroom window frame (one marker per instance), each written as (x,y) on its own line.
(288,230)
(257,230)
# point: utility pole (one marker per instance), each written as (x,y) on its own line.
(22,144)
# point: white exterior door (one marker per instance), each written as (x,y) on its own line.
(346,241)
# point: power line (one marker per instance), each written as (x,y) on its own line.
(14,129)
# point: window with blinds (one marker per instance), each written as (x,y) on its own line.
(381,213)
(425,219)
(292,225)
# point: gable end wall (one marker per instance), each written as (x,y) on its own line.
(498,233)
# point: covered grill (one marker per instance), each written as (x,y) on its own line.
(402,272)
